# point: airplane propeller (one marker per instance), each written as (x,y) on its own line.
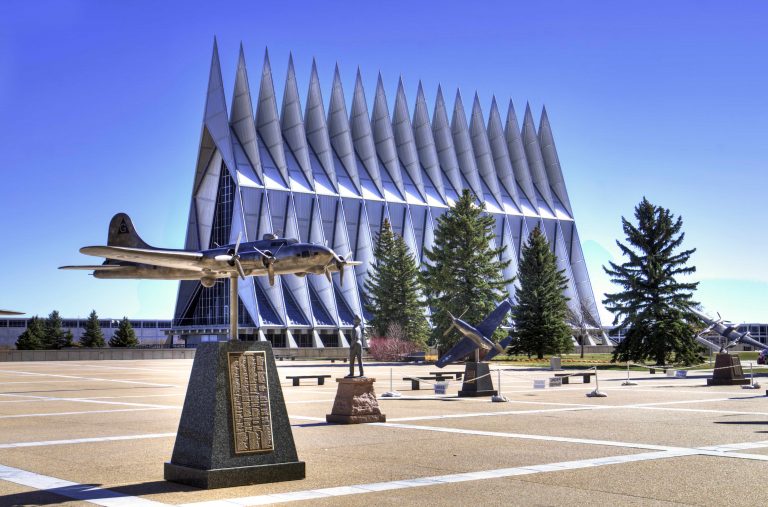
(340,262)
(233,259)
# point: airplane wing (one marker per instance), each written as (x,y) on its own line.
(10,312)
(167,258)
(98,267)
(492,321)
(459,351)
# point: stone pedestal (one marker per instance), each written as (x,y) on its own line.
(474,385)
(355,402)
(234,427)
(727,371)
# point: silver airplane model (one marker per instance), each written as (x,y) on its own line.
(477,337)
(128,256)
(728,332)
(10,312)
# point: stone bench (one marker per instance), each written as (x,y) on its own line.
(416,381)
(653,370)
(586,377)
(297,378)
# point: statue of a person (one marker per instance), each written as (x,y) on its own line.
(356,347)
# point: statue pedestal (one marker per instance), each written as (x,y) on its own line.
(234,427)
(474,385)
(355,402)
(727,371)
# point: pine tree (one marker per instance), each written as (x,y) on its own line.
(542,309)
(464,273)
(653,307)
(125,336)
(53,334)
(395,290)
(32,337)
(92,336)
(67,339)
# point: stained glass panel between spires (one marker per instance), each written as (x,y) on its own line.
(292,310)
(212,306)
(267,312)
(322,317)
(346,315)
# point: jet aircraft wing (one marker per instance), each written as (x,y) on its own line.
(167,258)
(459,351)
(492,321)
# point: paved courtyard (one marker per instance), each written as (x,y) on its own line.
(84,433)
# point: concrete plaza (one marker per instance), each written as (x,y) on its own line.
(84,433)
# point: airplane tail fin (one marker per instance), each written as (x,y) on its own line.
(122,233)
(494,352)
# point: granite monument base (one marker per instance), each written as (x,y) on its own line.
(727,371)
(477,381)
(355,402)
(234,427)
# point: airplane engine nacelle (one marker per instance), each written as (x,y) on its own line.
(208,281)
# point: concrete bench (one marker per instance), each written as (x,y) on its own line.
(415,381)
(448,374)
(297,378)
(653,370)
(586,377)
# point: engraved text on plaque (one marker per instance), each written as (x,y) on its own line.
(249,394)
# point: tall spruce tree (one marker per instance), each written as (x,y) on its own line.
(93,335)
(654,307)
(53,335)
(125,336)
(32,337)
(395,289)
(464,272)
(542,310)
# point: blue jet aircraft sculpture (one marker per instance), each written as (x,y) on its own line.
(128,256)
(479,337)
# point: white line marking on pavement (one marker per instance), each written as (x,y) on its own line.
(118,438)
(54,414)
(91,378)
(435,480)
(90,400)
(68,489)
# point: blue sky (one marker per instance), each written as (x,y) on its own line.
(101,105)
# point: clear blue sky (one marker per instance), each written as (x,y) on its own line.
(101,105)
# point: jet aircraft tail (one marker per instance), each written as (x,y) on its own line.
(123,233)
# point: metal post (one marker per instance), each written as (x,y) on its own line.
(233,304)
(597,393)
(627,383)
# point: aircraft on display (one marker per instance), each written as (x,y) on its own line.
(477,337)
(729,332)
(128,256)
(10,312)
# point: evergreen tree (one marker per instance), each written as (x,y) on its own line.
(464,273)
(92,336)
(53,335)
(32,337)
(67,339)
(653,307)
(395,290)
(542,309)
(125,336)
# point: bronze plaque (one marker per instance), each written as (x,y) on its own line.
(249,396)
